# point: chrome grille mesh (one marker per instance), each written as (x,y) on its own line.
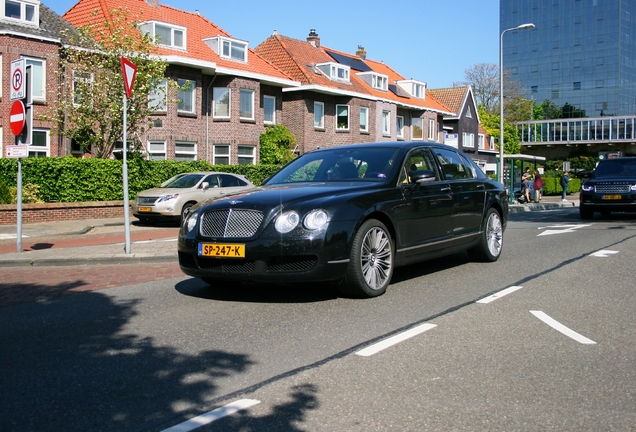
(612,188)
(233,223)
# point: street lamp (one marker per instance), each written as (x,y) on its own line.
(501,99)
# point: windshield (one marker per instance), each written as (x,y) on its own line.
(363,164)
(616,168)
(185,182)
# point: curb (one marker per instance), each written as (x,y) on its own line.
(63,262)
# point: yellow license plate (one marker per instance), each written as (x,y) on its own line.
(145,209)
(222,250)
(612,197)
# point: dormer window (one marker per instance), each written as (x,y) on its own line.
(26,11)
(167,35)
(335,71)
(415,88)
(377,81)
(227,48)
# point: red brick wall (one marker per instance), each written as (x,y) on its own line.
(33,213)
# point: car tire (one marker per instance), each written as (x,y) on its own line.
(491,239)
(371,262)
(185,209)
(585,213)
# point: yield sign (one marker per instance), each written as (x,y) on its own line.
(17,117)
(130,71)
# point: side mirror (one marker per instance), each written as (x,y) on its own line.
(422,176)
(205,186)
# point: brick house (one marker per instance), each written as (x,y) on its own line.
(32,31)
(233,93)
(344,98)
(463,128)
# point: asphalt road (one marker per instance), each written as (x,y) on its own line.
(152,355)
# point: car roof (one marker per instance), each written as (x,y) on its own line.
(390,144)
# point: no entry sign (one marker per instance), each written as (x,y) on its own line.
(17,117)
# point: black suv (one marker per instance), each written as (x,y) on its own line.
(611,188)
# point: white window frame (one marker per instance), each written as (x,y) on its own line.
(364,119)
(192,90)
(150,27)
(218,91)
(346,128)
(185,155)
(380,82)
(39,149)
(88,79)
(266,114)
(468,140)
(481,140)
(246,158)
(386,122)
(229,48)
(335,71)
(246,96)
(217,154)
(35,21)
(414,121)
(158,97)
(469,113)
(432,132)
(43,83)
(399,126)
(156,153)
(321,124)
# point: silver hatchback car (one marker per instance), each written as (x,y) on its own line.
(173,199)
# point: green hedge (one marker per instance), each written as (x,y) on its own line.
(69,179)
(552,187)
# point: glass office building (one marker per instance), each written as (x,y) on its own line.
(581,52)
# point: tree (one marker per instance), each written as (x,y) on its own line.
(490,123)
(91,106)
(277,144)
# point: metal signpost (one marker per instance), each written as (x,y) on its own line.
(129,70)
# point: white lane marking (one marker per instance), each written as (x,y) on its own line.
(8,236)
(563,229)
(561,328)
(213,415)
(156,241)
(604,253)
(499,294)
(376,348)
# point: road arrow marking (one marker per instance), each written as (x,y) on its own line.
(604,253)
(561,328)
(562,229)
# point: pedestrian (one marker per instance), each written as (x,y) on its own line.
(537,186)
(526,184)
(564,181)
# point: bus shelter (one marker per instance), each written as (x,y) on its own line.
(512,175)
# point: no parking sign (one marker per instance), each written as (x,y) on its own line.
(18,78)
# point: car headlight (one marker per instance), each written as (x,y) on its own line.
(633,187)
(315,219)
(165,198)
(286,222)
(587,188)
(191,220)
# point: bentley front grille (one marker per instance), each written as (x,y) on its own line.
(232,223)
(612,188)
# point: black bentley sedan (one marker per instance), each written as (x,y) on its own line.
(349,215)
(612,188)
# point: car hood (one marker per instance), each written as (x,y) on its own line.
(163,191)
(613,179)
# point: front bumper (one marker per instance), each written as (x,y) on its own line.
(595,201)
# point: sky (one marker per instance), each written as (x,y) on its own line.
(433,41)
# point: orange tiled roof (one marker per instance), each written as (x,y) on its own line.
(452,97)
(298,59)
(198,28)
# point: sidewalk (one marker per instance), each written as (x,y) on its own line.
(102,241)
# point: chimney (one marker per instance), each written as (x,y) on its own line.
(153,3)
(361,52)
(313,38)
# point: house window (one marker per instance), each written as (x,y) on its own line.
(156,150)
(468,140)
(38,78)
(335,71)
(380,82)
(386,122)
(319,115)
(246,155)
(364,119)
(269,109)
(417,132)
(431,130)
(399,126)
(166,34)
(82,86)
(26,11)
(40,143)
(221,107)
(418,91)
(227,48)
(469,113)
(221,154)
(247,104)
(342,117)
(481,139)
(186,96)
(185,151)
(158,96)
